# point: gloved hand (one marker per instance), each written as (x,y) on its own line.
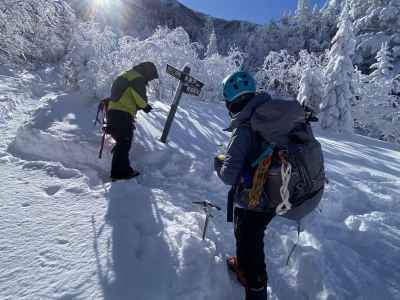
(148,108)
(218,162)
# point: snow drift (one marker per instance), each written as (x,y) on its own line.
(88,238)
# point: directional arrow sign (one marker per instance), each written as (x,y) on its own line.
(174,72)
(186,78)
(188,85)
(190,81)
(191,90)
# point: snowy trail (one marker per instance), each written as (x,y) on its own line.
(83,239)
(66,233)
(38,227)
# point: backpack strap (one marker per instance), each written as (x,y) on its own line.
(261,176)
(286,173)
(262,163)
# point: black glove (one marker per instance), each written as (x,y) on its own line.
(218,163)
(148,108)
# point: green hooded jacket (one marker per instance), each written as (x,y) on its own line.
(128,92)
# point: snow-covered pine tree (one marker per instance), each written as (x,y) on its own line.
(382,69)
(303,11)
(339,91)
(299,28)
(333,9)
(212,47)
(375,22)
(381,79)
(311,89)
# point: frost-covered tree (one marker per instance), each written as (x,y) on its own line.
(212,47)
(311,89)
(96,56)
(303,11)
(276,76)
(381,79)
(377,111)
(333,8)
(34,30)
(375,22)
(382,69)
(339,91)
(376,115)
(281,73)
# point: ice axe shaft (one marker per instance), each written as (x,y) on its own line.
(205,226)
(207,207)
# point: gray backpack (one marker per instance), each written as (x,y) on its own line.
(284,125)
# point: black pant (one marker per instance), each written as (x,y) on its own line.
(121,128)
(249,234)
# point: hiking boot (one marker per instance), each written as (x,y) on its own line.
(128,176)
(133,173)
(256,294)
(233,266)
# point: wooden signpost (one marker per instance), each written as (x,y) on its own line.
(188,85)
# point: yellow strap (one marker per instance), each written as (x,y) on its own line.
(260,178)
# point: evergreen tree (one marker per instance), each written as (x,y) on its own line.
(381,80)
(212,47)
(311,89)
(303,9)
(383,67)
(339,91)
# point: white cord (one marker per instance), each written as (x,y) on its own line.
(285,206)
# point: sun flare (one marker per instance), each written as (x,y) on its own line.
(104,7)
(102,3)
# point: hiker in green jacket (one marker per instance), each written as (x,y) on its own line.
(128,96)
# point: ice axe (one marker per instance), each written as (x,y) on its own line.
(207,208)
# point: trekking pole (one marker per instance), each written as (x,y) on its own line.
(103,139)
(102,108)
(207,208)
(97,120)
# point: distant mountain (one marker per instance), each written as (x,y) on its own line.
(141,17)
(310,29)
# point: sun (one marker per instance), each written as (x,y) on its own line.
(102,3)
(104,6)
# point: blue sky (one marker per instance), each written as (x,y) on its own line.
(260,11)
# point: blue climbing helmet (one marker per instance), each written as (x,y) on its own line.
(238,84)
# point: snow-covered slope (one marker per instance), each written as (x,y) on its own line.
(66,232)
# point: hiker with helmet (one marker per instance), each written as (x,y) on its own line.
(128,96)
(275,167)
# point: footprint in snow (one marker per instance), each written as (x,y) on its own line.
(62,241)
(64,173)
(75,190)
(56,170)
(52,190)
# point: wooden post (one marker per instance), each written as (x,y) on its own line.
(175,105)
